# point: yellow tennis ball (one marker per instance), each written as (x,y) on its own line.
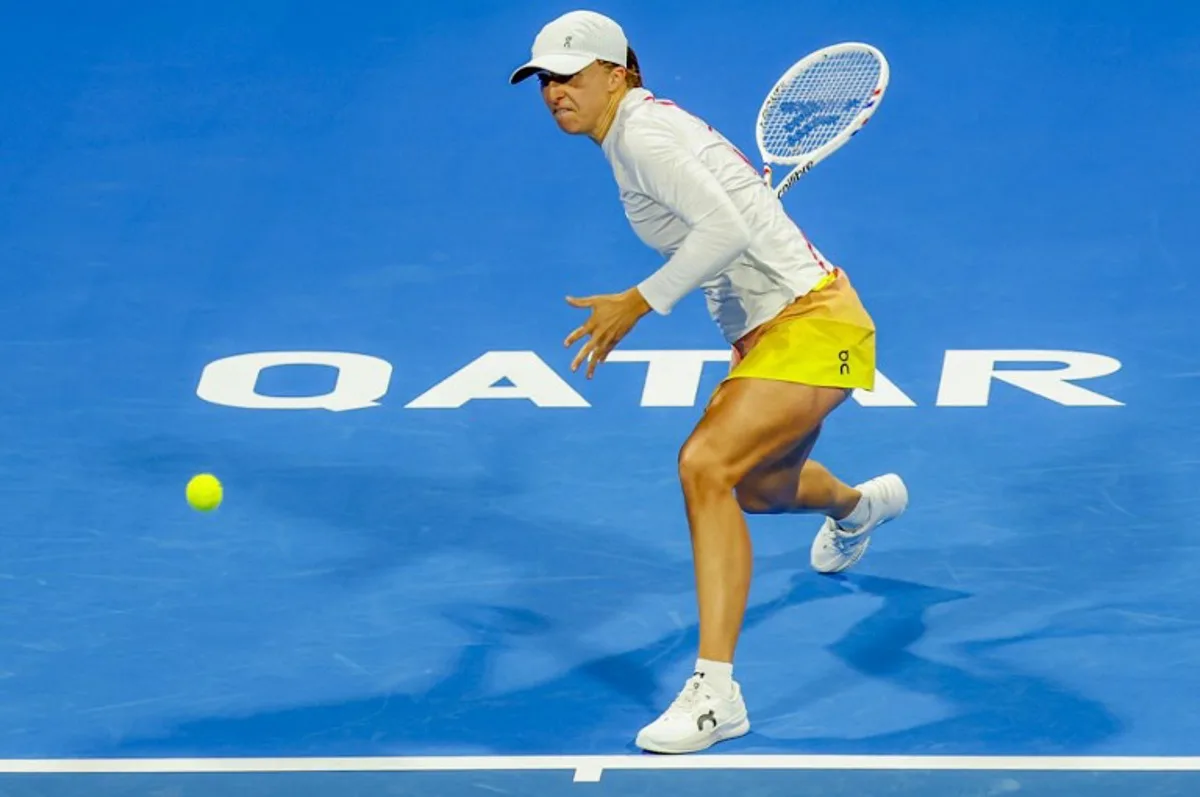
(204,492)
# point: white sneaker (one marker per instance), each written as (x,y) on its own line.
(696,720)
(835,550)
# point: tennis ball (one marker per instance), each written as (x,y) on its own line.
(204,492)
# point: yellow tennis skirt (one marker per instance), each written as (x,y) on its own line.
(824,338)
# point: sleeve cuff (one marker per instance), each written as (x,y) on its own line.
(661,300)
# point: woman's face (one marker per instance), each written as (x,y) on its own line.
(580,102)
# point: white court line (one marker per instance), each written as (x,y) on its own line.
(588,769)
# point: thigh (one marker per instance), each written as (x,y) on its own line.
(755,424)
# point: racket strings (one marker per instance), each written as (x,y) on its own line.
(819,103)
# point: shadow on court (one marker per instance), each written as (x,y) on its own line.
(584,709)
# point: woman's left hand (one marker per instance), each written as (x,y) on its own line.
(613,315)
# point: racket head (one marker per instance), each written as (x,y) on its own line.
(820,102)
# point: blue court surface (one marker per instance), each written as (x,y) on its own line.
(321,251)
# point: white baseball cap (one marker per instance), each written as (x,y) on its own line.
(572,42)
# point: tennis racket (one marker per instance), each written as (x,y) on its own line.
(817,106)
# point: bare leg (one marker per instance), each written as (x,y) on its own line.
(749,423)
(794,483)
(820,491)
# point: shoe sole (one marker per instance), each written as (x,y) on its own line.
(720,735)
(890,483)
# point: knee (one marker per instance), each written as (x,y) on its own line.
(703,468)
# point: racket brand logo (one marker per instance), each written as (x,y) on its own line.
(795,176)
(801,119)
(343,381)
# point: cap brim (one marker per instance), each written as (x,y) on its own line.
(554,63)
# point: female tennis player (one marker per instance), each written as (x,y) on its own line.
(801,342)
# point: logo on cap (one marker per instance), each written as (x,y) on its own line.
(567,43)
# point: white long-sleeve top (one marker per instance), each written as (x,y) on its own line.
(693,197)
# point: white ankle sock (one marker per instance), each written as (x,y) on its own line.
(718,674)
(858,516)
